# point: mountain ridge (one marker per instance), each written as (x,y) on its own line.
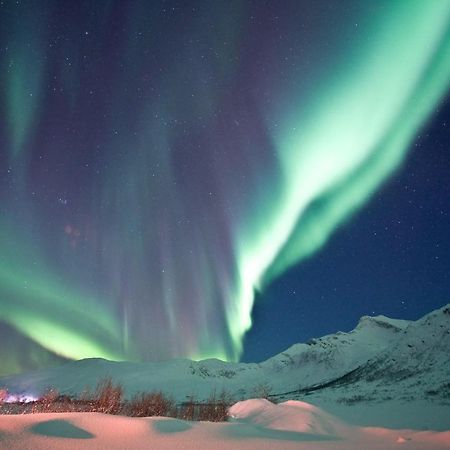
(380,359)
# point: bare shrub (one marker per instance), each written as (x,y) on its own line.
(216,408)
(86,395)
(87,400)
(108,397)
(262,390)
(46,403)
(187,410)
(150,404)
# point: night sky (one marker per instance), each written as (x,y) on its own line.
(218,178)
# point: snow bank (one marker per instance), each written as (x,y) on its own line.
(255,424)
(288,416)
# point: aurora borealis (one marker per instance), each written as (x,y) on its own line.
(163,161)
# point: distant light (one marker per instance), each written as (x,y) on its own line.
(24,398)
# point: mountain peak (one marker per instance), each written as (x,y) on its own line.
(381,321)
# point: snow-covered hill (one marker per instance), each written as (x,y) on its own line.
(380,360)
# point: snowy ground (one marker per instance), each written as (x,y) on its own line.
(254,424)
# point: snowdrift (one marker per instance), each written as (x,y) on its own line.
(255,424)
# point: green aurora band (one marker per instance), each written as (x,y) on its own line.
(68,324)
(339,134)
(337,150)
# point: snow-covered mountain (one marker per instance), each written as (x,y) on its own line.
(415,366)
(380,359)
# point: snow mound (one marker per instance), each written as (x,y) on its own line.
(94,431)
(292,416)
